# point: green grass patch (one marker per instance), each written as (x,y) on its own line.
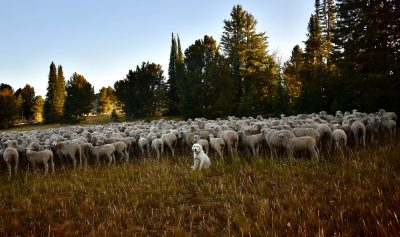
(356,194)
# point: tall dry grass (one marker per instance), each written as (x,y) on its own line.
(354,194)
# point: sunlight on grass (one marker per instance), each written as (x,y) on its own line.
(354,194)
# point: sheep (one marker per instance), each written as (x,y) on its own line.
(171,141)
(300,132)
(67,149)
(203,142)
(300,144)
(158,146)
(106,150)
(339,138)
(388,127)
(36,157)
(252,141)
(325,135)
(10,155)
(144,146)
(130,143)
(217,144)
(231,140)
(120,150)
(276,138)
(358,129)
(372,125)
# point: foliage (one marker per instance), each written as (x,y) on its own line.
(107,100)
(143,91)
(252,69)
(37,109)
(55,97)
(172,82)
(80,95)
(9,106)
(28,97)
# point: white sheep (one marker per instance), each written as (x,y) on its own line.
(253,142)
(300,132)
(358,129)
(231,140)
(121,150)
(304,143)
(10,155)
(388,127)
(339,138)
(144,146)
(203,142)
(325,135)
(217,144)
(66,149)
(158,146)
(171,141)
(106,150)
(276,139)
(40,157)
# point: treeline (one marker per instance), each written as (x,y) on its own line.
(65,102)
(351,60)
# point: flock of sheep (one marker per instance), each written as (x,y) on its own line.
(118,142)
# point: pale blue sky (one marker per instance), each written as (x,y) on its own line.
(102,39)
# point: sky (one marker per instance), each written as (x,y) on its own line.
(103,39)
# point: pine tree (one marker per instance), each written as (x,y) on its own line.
(50,112)
(28,97)
(60,93)
(8,106)
(292,78)
(252,69)
(37,109)
(80,95)
(173,79)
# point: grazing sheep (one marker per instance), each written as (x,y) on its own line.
(171,141)
(40,157)
(325,135)
(130,143)
(10,155)
(71,150)
(121,150)
(144,146)
(339,138)
(217,144)
(372,125)
(358,129)
(231,140)
(158,146)
(203,142)
(253,142)
(389,127)
(300,132)
(275,138)
(106,151)
(304,143)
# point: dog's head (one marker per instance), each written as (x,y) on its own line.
(196,148)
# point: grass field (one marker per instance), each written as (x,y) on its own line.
(357,194)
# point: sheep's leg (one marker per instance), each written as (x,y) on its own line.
(363,138)
(46,168)
(253,151)
(9,169)
(16,166)
(172,151)
(110,159)
(52,166)
(73,162)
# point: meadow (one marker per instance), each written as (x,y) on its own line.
(356,193)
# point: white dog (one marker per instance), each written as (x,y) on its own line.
(201,160)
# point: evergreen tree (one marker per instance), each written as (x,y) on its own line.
(37,109)
(143,91)
(252,69)
(173,78)
(28,97)
(8,106)
(280,105)
(80,95)
(55,97)
(49,107)
(292,78)
(107,100)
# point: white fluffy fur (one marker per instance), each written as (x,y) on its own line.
(201,160)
